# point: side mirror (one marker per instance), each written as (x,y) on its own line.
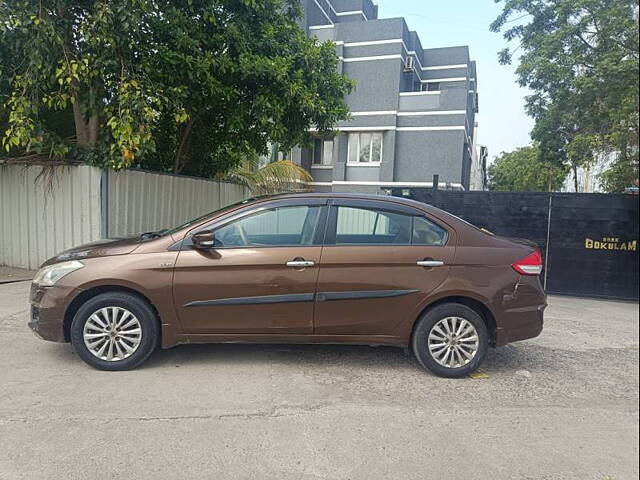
(204,240)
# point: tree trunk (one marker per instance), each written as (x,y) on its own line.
(93,131)
(93,124)
(87,130)
(183,148)
(82,137)
(575,176)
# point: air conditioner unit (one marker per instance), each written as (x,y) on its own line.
(409,64)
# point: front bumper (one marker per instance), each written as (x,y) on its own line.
(48,305)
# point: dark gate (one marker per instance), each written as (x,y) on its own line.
(594,245)
(590,241)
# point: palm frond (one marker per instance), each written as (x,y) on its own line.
(275,177)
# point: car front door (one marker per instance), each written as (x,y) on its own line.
(260,277)
(380,262)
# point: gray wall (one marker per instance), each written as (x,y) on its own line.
(438,152)
(377,85)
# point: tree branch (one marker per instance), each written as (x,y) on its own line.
(591,47)
(94,119)
(179,163)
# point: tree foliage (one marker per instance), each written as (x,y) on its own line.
(580,59)
(191,86)
(523,171)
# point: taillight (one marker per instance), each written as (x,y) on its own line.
(529,265)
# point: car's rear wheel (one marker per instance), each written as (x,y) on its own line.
(451,340)
(114,331)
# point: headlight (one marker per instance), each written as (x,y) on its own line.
(48,276)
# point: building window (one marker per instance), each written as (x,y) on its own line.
(431,87)
(365,148)
(322,152)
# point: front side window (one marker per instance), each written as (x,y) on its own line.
(365,148)
(282,226)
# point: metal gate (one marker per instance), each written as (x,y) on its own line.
(589,241)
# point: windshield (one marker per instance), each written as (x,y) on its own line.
(202,217)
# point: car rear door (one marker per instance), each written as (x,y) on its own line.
(380,262)
(260,277)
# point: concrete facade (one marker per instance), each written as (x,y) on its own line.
(413,109)
(479,158)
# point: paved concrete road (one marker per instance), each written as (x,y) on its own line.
(562,406)
(10,274)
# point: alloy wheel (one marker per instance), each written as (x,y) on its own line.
(453,342)
(112,333)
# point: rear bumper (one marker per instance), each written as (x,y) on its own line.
(520,324)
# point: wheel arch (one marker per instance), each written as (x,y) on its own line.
(474,304)
(85,295)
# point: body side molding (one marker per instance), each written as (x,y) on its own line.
(302,297)
(361,294)
(262,300)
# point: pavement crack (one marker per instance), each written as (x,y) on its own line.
(274,412)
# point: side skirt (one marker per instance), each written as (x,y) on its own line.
(298,339)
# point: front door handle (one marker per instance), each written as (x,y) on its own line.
(430,263)
(300,263)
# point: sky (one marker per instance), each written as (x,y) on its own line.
(503,124)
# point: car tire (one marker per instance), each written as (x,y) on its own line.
(115,331)
(443,340)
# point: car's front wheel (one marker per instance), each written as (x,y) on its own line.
(451,340)
(114,331)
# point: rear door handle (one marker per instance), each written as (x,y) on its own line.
(430,263)
(300,263)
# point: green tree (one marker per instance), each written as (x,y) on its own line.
(523,171)
(580,59)
(191,86)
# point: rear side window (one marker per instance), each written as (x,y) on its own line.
(426,232)
(364,226)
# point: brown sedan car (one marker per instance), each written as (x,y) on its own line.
(301,268)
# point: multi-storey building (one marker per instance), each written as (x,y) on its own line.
(413,109)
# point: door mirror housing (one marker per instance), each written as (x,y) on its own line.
(204,240)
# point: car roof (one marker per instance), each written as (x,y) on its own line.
(355,196)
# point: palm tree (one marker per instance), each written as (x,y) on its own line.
(274,177)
